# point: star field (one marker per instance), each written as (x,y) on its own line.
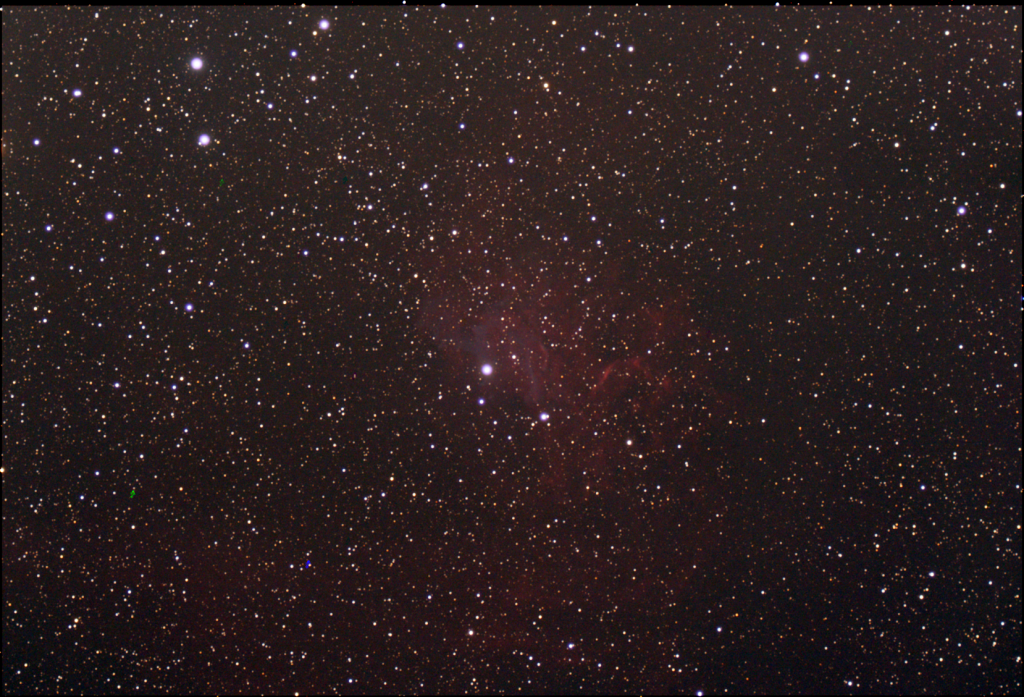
(541,351)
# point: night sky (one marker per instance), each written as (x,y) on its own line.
(512,350)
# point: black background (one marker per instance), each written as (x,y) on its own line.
(781,367)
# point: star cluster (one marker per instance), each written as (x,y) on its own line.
(529,350)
